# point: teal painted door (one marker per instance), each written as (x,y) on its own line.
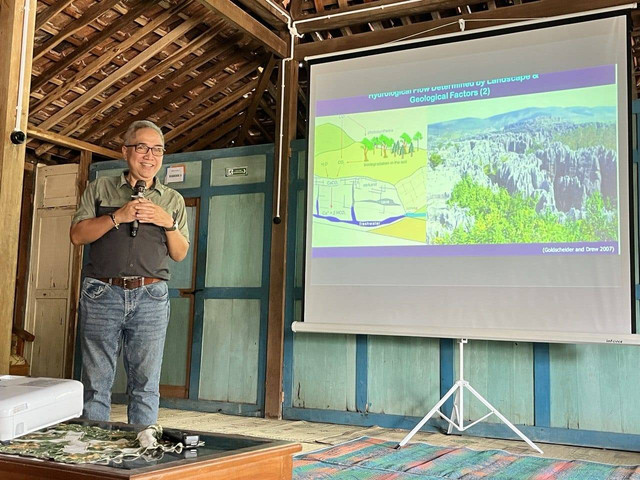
(176,362)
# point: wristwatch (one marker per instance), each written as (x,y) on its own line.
(172,227)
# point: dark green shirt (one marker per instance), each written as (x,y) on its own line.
(117,253)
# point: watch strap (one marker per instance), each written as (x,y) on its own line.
(172,227)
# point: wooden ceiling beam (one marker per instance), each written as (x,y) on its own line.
(208,95)
(190,68)
(538,9)
(219,85)
(221,128)
(206,113)
(69,142)
(74,26)
(224,141)
(267,109)
(267,135)
(155,108)
(198,133)
(362,13)
(132,86)
(96,40)
(255,98)
(102,60)
(245,22)
(266,11)
(123,71)
(48,13)
(296,9)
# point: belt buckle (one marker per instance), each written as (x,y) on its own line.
(128,281)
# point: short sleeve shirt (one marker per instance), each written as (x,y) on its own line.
(117,253)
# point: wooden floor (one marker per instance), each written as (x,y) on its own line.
(313,436)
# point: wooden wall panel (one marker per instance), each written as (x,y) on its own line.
(192,175)
(47,357)
(176,348)
(182,272)
(403,375)
(502,372)
(53,257)
(230,340)
(234,241)
(324,374)
(300,216)
(595,387)
(256,170)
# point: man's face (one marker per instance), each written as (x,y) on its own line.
(143,166)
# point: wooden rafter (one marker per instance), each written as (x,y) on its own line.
(296,9)
(537,9)
(267,109)
(257,95)
(267,11)
(72,143)
(205,114)
(224,141)
(104,59)
(96,40)
(267,135)
(132,86)
(171,115)
(363,13)
(151,93)
(207,95)
(123,71)
(155,108)
(89,16)
(248,24)
(221,128)
(48,13)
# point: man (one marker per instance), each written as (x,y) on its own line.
(124,302)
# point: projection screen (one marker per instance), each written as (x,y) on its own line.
(474,187)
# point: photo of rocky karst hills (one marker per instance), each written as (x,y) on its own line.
(534,175)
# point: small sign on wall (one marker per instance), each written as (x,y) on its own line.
(236,172)
(175,174)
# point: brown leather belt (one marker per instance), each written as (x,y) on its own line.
(130,282)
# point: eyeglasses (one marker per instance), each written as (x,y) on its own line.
(142,148)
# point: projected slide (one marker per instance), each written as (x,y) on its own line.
(519,165)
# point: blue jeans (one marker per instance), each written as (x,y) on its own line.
(135,321)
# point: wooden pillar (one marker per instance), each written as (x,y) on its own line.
(24,242)
(11,156)
(275,329)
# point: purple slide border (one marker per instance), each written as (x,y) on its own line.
(569,79)
(494,250)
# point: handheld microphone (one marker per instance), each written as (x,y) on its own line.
(138,192)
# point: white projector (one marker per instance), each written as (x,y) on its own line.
(28,404)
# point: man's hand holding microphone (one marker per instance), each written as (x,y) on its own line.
(140,210)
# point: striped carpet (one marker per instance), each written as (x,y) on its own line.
(369,458)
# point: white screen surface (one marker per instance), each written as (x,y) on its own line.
(476,188)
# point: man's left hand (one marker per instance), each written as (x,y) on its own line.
(149,212)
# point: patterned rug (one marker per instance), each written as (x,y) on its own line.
(374,459)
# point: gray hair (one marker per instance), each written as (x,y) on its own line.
(139,125)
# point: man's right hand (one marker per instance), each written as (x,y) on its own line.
(127,212)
